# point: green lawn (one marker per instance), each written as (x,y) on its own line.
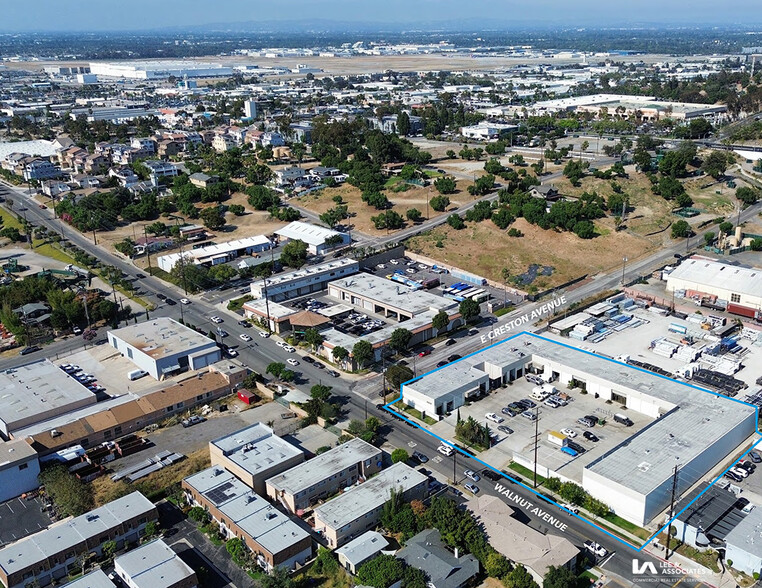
(627,526)
(9,220)
(525,472)
(502,311)
(415,413)
(49,250)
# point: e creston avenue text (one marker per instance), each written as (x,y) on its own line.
(525,319)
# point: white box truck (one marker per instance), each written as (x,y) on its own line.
(539,394)
(549,388)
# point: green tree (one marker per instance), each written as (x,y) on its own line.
(456,222)
(709,237)
(320,392)
(403,124)
(238,551)
(584,229)
(450,154)
(294,253)
(275,368)
(213,218)
(716,163)
(389,219)
(400,454)
(755,245)
(726,227)
(585,145)
(237,209)
(747,195)
(400,339)
(199,515)
(469,309)
(72,496)
(439,203)
(314,338)
(414,578)
(261,198)
(222,273)
(681,229)
(520,578)
(561,577)
(440,320)
(109,547)
(445,185)
(381,572)
(280,577)
(497,565)
(572,493)
(362,351)
(414,215)
(339,354)
(396,375)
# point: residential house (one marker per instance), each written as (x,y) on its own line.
(124,175)
(66,157)
(96,163)
(301,132)
(203,180)
(223,142)
(54,188)
(146,144)
(14,163)
(40,169)
(272,140)
(62,142)
(160,169)
(426,551)
(154,565)
(320,173)
(291,177)
(85,181)
(358,551)
(168,148)
(547,192)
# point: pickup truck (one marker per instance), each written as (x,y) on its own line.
(194,420)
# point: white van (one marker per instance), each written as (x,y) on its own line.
(549,388)
(539,394)
(136,374)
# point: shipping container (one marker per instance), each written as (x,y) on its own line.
(744,311)
(430,283)
(557,438)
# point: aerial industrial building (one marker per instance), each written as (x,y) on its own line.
(158,70)
(692,429)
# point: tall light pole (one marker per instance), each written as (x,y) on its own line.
(624,265)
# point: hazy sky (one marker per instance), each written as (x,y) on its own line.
(82,15)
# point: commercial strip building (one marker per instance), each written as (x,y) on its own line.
(740,287)
(318,239)
(54,553)
(304,281)
(692,429)
(154,565)
(216,254)
(36,392)
(358,509)
(111,420)
(254,455)
(163,346)
(273,538)
(300,487)
(19,468)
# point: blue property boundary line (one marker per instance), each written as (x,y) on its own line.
(388,407)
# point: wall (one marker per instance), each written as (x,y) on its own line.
(625,502)
(17,478)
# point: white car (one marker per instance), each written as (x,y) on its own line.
(570,433)
(394,262)
(244,337)
(184,301)
(292,361)
(288,348)
(445,450)
(740,472)
(215,319)
(491,416)
(264,334)
(570,507)
(280,343)
(596,548)
(472,475)
(472,488)
(410,270)
(381,266)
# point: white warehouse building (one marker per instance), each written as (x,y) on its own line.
(216,254)
(692,429)
(314,236)
(158,70)
(163,346)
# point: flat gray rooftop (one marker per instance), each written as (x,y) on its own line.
(311,271)
(256,448)
(323,466)
(445,380)
(96,579)
(748,533)
(368,496)
(60,538)
(363,547)
(153,565)
(162,337)
(392,294)
(238,503)
(310,234)
(39,389)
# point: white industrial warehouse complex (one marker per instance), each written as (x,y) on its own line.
(691,429)
(158,70)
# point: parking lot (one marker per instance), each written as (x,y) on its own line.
(19,518)
(521,442)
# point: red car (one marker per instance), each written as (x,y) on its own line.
(424,353)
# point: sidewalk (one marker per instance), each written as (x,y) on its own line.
(707,576)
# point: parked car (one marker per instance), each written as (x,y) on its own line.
(590,436)
(292,361)
(529,415)
(747,465)
(333,373)
(289,349)
(445,450)
(549,402)
(450,342)
(244,323)
(30,349)
(472,488)
(585,422)
(453,357)
(76,331)
(420,457)
(194,420)
(571,433)
(264,334)
(184,301)
(526,403)
(491,416)
(732,476)
(308,359)
(222,332)
(570,507)
(755,457)
(596,548)
(740,472)
(424,353)
(442,363)
(490,475)
(472,475)
(506,430)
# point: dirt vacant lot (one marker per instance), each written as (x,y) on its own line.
(485,249)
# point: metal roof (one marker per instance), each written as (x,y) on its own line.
(733,278)
(747,534)
(163,337)
(310,234)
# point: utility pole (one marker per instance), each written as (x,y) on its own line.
(624,265)
(671,510)
(536,441)
(148,249)
(454,465)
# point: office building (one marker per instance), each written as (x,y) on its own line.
(306,280)
(163,346)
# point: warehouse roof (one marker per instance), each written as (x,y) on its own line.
(747,534)
(366,497)
(162,337)
(323,466)
(454,376)
(256,448)
(59,539)
(203,254)
(238,503)
(310,234)
(39,389)
(733,278)
(314,271)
